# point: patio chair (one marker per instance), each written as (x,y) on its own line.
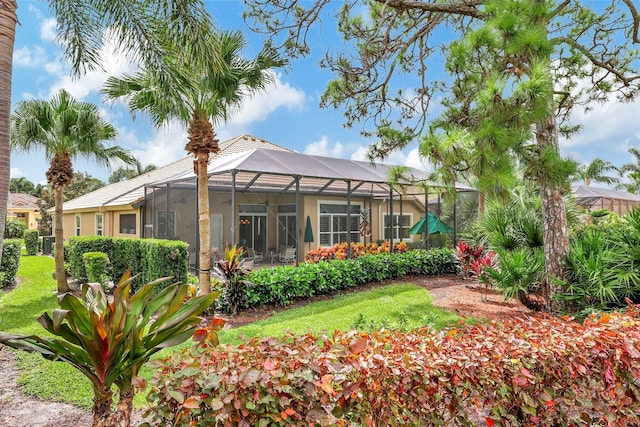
(289,256)
(254,255)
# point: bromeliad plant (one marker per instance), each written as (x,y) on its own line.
(230,275)
(109,339)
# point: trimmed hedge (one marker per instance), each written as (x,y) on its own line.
(32,241)
(96,265)
(152,258)
(523,372)
(283,284)
(11,250)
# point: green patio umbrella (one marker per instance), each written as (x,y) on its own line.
(436,225)
(308,233)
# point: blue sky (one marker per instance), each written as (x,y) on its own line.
(288,114)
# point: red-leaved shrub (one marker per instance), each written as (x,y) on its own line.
(340,250)
(524,372)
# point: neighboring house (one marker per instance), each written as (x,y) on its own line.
(260,197)
(616,201)
(24,207)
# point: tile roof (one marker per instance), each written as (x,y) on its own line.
(21,201)
(130,191)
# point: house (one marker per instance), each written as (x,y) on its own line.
(24,207)
(616,201)
(260,196)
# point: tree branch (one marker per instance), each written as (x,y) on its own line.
(636,19)
(625,80)
(464,8)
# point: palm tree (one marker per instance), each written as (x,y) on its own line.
(198,95)
(65,128)
(136,27)
(631,171)
(126,173)
(596,171)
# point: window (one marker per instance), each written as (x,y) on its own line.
(400,228)
(166,224)
(333,224)
(21,215)
(77,225)
(286,225)
(99,219)
(127,223)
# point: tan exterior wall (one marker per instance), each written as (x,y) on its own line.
(28,216)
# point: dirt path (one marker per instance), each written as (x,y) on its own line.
(20,410)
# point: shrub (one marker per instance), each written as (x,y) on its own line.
(473,260)
(32,241)
(96,265)
(340,250)
(11,250)
(603,265)
(14,229)
(150,258)
(281,285)
(482,374)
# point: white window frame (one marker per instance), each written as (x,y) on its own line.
(355,218)
(78,224)
(99,224)
(395,231)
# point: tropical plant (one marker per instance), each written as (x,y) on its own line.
(22,185)
(231,277)
(198,95)
(84,28)
(631,172)
(124,174)
(596,171)
(473,260)
(65,128)
(109,339)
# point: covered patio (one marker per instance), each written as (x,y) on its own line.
(259,198)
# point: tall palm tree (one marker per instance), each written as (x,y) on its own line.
(198,96)
(65,128)
(81,25)
(596,171)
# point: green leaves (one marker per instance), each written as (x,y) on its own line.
(108,340)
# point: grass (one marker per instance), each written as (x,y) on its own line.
(404,305)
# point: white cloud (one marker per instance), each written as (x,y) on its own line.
(48,29)
(259,107)
(114,63)
(16,173)
(165,146)
(325,148)
(34,56)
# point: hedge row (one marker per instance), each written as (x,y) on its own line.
(32,241)
(524,372)
(281,285)
(11,250)
(152,258)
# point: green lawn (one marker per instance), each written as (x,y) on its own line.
(402,305)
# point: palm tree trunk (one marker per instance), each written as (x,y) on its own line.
(63,286)
(554,221)
(204,276)
(8,19)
